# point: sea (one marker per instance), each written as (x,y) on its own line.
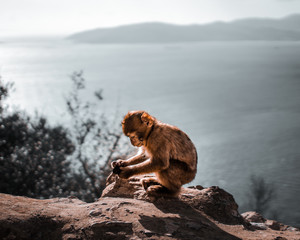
(238,101)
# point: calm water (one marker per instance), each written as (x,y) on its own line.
(238,101)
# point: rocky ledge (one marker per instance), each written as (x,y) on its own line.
(124,211)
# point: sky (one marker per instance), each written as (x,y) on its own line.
(64,17)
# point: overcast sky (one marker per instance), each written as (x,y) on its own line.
(36,17)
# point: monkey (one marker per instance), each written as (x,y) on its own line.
(164,150)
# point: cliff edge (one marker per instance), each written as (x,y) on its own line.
(124,211)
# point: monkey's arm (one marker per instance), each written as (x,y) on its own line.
(154,164)
(138,158)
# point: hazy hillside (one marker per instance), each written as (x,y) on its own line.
(287,28)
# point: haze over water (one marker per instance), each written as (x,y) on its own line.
(238,101)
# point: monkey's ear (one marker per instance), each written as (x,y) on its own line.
(147,118)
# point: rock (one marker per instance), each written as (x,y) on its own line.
(253,217)
(148,233)
(199,187)
(259,226)
(259,222)
(213,201)
(275,225)
(126,212)
(95,213)
(292,229)
(107,229)
(280,238)
(118,187)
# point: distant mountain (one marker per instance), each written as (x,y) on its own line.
(287,28)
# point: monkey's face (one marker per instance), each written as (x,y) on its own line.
(136,126)
(136,139)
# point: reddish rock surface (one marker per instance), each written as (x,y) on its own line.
(125,212)
(253,217)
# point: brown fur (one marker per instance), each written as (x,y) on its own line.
(164,150)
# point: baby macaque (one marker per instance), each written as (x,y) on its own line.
(164,150)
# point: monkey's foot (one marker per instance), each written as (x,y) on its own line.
(147,182)
(160,191)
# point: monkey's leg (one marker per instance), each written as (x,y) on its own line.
(173,178)
(147,182)
(154,188)
(161,191)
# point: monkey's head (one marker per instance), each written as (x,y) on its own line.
(137,125)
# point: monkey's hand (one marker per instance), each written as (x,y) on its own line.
(116,166)
(125,172)
(116,169)
(119,163)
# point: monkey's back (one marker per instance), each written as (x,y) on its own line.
(176,142)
